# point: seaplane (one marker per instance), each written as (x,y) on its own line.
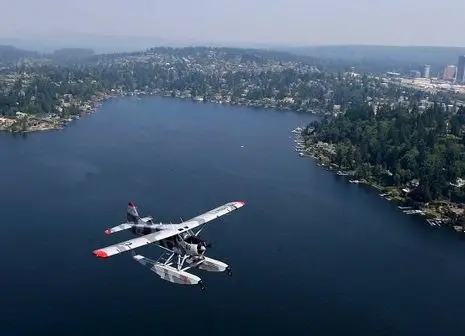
(182,245)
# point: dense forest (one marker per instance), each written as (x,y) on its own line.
(396,146)
(39,94)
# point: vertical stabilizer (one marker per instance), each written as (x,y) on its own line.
(132,215)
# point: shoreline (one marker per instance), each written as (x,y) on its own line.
(435,213)
(29,123)
(8,124)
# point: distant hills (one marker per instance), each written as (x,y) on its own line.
(99,43)
(67,54)
(364,58)
(10,54)
(389,57)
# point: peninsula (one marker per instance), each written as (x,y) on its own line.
(413,157)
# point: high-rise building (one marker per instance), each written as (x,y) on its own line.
(461,70)
(425,70)
(414,74)
(449,72)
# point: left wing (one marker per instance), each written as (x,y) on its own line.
(134,243)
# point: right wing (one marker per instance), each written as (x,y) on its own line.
(134,243)
(210,215)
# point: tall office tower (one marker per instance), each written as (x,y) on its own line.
(425,70)
(461,70)
(449,72)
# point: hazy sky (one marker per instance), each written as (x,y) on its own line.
(298,22)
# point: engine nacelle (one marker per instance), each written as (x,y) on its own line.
(194,246)
(195,249)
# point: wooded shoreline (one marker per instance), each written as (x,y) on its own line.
(419,170)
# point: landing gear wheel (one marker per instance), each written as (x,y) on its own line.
(202,286)
(228,270)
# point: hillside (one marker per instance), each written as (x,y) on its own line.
(9,54)
(66,54)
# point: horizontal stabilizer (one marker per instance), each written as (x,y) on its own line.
(125,226)
(118,228)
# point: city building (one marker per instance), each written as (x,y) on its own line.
(414,74)
(391,74)
(425,71)
(449,72)
(461,70)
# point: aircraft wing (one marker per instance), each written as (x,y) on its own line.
(211,215)
(134,243)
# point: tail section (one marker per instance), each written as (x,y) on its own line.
(133,221)
(132,215)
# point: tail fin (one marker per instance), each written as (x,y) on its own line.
(132,215)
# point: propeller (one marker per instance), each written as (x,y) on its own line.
(201,248)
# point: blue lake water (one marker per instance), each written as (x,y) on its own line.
(310,253)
